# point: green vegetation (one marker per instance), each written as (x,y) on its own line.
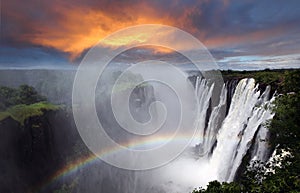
(282,174)
(217,187)
(22,103)
(277,79)
(22,112)
(14,96)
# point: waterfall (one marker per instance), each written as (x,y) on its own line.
(226,133)
(204,92)
(223,139)
(215,119)
(247,113)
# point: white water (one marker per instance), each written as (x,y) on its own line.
(217,150)
(225,141)
(246,114)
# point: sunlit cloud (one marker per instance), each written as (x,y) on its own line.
(82,31)
(73,27)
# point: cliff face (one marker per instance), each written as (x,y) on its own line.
(32,152)
(9,166)
(35,150)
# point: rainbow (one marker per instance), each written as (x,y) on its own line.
(82,162)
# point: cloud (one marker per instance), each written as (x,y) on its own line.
(73,26)
(256,62)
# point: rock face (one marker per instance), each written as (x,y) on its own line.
(32,152)
(140,101)
(9,148)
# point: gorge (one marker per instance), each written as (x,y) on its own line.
(230,136)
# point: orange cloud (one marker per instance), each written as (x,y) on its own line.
(81,28)
(76,25)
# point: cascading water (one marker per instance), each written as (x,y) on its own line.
(226,133)
(225,141)
(247,112)
(218,149)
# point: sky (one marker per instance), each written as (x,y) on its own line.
(240,34)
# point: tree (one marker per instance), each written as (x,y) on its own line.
(217,187)
(8,97)
(14,96)
(28,95)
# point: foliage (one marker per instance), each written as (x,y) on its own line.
(285,125)
(264,76)
(23,95)
(281,80)
(22,102)
(291,81)
(21,112)
(217,187)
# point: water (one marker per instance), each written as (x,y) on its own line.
(247,112)
(226,132)
(225,141)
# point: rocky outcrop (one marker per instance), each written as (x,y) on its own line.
(32,152)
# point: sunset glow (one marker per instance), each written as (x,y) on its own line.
(70,28)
